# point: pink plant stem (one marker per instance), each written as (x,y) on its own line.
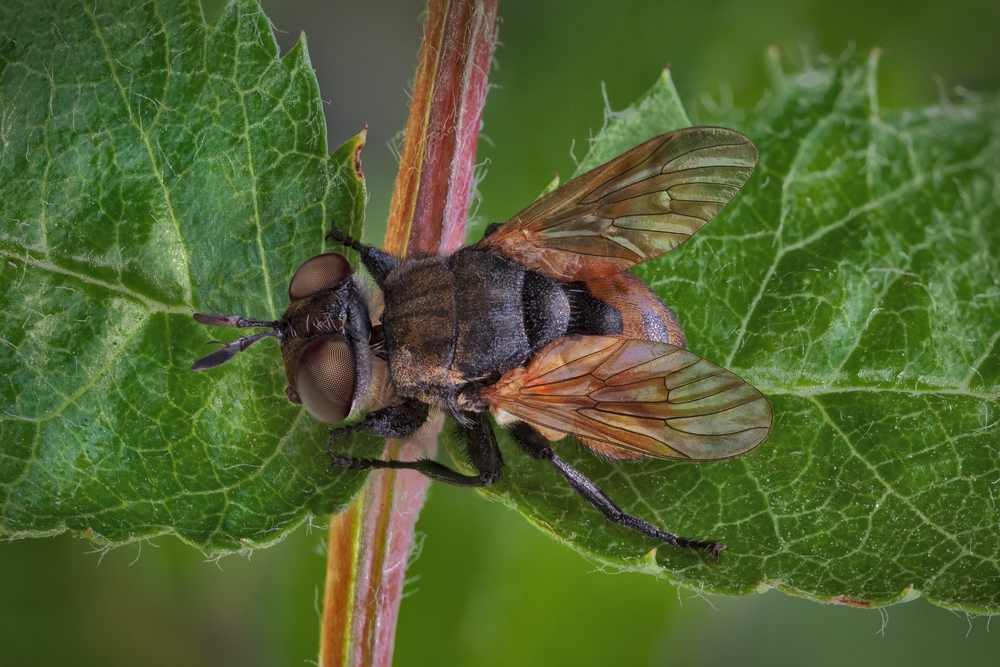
(370,543)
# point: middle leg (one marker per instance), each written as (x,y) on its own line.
(480,444)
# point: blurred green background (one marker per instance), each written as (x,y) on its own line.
(485,588)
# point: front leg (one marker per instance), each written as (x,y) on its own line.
(400,420)
(480,444)
(378,262)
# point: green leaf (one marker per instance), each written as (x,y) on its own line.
(855,281)
(152,164)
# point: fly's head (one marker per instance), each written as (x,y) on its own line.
(325,336)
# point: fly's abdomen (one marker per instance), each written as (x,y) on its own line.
(491,324)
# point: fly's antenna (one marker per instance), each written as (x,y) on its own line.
(230,350)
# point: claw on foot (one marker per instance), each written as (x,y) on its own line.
(710,549)
(341,462)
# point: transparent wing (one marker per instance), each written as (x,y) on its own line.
(636,207)
(642,397)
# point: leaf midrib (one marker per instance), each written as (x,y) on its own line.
(807,392)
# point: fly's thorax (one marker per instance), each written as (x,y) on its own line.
(450,321)
(418,325)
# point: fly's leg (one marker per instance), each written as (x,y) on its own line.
(490,228)
(480,444)
(378,262)
(400,420)
(537,446)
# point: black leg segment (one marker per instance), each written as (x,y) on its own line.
(378,262)
(537,446)
(480,444)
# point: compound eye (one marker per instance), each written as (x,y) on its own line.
(318,273)
(324,378)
